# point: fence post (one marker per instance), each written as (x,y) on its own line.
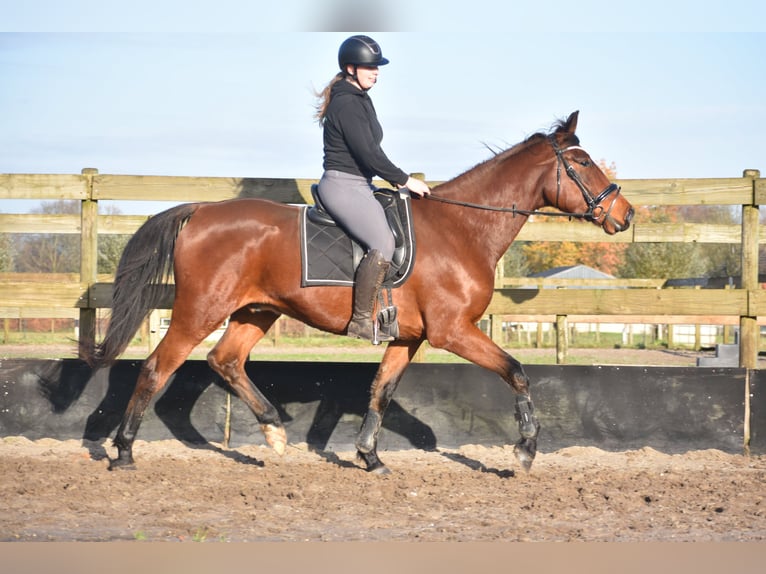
(561,339)
(496,321)
(749,333)
(88,255)
(697,332)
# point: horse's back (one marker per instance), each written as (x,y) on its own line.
(240,219)
(249,209)
(241,234)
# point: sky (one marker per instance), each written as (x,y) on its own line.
(664,89)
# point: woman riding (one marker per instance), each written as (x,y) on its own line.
(352,157)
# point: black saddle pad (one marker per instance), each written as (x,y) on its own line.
(330,257)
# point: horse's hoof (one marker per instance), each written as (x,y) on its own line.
(371,461)
(524,455)
(119,464)
(276,437)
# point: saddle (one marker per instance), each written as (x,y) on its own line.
(330,257)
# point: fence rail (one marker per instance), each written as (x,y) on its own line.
(86,292)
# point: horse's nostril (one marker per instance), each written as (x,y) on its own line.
(629,216)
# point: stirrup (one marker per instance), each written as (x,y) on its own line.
(386,326)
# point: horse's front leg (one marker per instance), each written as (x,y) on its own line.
(526,449)
(395,360)
(469,342)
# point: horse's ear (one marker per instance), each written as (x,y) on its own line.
(571,124)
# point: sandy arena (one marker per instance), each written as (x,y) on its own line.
(62,491)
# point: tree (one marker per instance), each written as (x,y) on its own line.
(60,253)
(682,260)
(49,252)
(110,248)
(6,252)
(606,257)
(720,260)
(515,262)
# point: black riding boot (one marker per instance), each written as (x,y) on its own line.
(369,277)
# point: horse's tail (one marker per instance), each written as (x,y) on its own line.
(146,264)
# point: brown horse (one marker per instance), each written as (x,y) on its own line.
(240,259)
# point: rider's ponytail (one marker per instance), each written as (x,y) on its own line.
(323,98)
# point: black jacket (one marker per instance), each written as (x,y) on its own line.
(352,136)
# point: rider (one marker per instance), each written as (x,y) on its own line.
(352,157)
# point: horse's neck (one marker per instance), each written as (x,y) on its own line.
(493,231)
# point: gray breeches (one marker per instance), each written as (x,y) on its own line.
(348,199)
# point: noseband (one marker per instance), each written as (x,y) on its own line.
(594,212)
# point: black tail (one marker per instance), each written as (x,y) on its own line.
(146,265)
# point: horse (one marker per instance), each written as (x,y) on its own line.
(239,259)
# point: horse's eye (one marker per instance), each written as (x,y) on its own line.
(585,162)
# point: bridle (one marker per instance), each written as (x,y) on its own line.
(594,212)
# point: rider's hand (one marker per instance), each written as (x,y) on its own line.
(417,186)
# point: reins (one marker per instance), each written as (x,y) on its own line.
(593,203)
(514,210)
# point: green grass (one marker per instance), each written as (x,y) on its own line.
(200,535)
(309,348)
(321,347)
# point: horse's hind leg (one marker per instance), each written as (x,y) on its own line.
(153,376)
(228,358)
(395,360)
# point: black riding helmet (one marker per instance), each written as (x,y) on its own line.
(360,51)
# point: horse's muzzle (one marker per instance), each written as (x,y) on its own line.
(625,223)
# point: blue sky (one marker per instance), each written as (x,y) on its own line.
(664,90)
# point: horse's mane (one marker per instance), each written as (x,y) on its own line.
(558,128)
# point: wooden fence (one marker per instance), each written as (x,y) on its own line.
(88,292)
